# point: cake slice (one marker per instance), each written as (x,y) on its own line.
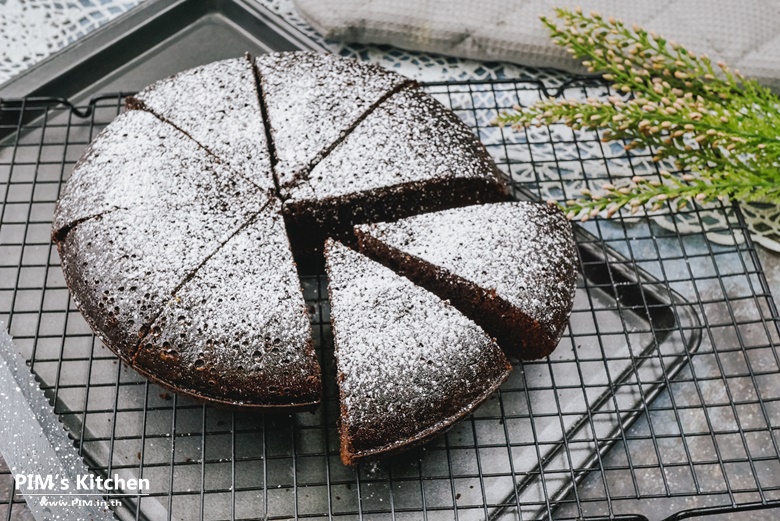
(409,155)
(237,332)
(127,236)
(218,106)
(312,100)
(409,365)
(139,160)
(123,266)
(511,267)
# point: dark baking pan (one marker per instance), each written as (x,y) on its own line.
(152,41)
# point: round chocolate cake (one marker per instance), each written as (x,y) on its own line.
(177,228)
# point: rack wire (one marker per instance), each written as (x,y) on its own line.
(663,399)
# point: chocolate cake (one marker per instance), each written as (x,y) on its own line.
(174,234)
(409,155)
(238,332)
(312,101)
(217,105)
(409,364)
(510,267)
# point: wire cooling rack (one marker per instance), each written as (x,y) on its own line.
(663,399)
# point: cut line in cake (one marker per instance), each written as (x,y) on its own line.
(238,332)
(233,131)
(312,101)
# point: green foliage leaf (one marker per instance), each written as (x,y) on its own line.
(720,129)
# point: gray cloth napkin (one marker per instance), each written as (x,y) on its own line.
(745,34)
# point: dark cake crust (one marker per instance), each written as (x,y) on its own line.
(510,267)
(409,365)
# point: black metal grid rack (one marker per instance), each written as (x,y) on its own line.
(662,400)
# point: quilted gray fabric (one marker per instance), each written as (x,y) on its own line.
(745,34)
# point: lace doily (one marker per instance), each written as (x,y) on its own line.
(32,30)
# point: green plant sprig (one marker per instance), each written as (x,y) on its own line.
(720,129)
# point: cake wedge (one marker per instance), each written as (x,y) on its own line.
(511,267)
(218,106)
(312,100)
(409,365)
(410,155)
(237,333)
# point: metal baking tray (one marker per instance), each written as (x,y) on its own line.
(522,453)
(552,418)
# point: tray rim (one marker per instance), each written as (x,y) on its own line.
(146,24)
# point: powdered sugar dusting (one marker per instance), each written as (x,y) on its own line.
(139,160)
(312,100)
(161,242)
(523,251)
(407,360)
(239,329)
(122,266)
(218,106)
(410,137)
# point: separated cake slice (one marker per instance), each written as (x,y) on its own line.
(238,332)
(511,267)
(312,100)
(218,106)
(409,365)
(409,155)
